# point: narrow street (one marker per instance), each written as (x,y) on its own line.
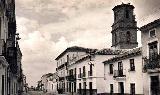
(39,93)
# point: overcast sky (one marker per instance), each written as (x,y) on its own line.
(48,27)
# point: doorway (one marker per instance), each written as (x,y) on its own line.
(121,88)
(154,85)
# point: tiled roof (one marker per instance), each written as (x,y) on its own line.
(127,54)
(109,51)
(48,75)
(150,25)
(75,48)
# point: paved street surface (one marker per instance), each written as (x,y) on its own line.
(40,93)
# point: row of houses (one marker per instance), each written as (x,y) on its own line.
(122,69)
(11,74)
(48,83)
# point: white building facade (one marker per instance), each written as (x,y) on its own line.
(123,73)
(151,58)
(67,57)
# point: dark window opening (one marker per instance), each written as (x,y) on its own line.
(153,51)
(132,66)
(91,71)
(128,36)
(120,68)
(115,39)
(80,73)
(127,13)
(152,33)
(111,68)
(84,71)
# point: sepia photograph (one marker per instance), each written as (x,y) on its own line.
(79,47)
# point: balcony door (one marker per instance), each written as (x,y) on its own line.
(153,51)
(120,68)
(155,85)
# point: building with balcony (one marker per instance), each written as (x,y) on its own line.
(151,57)
(87,73)
(123,73)
(67,57)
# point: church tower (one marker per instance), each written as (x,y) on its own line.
(124,28)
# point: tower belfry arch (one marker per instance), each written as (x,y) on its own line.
(124,28)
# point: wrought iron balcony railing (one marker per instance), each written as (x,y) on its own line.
(90,73)
(118,73)
(84,74)
(61,66)
(71,77)
(61,78)
(152,63)
(80,75)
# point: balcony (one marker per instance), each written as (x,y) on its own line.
(61,66)
(71,77)
(118,74)
(61,78)
(83,75)
(153,65)
(90,73)
(80,75)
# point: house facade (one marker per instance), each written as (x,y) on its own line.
(67,57)
(151,59)
(123,73)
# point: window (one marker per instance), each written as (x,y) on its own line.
(111,88)
(127,13)
(75,73)
(80,73)
(132,66)
(120,68)
(115,39)
(152,33)
(84,71)
(67,58)
(132,88)
(111,68)
(153,51)
(91,69)
(128,35)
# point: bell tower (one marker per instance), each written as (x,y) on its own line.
(124,28)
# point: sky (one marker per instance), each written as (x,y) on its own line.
(48,27)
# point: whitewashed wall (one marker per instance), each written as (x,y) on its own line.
(131,76)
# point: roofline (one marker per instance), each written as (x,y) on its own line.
(123,5)
(69,49)
(117,58)
(150,25)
